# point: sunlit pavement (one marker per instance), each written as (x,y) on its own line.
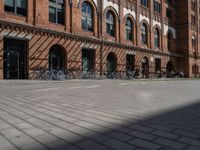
(100,115)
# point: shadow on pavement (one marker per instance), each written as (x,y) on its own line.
(173,129)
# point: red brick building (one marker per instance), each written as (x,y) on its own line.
(100,35)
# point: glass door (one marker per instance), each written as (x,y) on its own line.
(15,59)
(12,64)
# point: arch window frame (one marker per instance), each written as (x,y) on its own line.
(111,63)
(144,34)
(56,58)
(156,38)
(129,29)
(110,23)
(87,17)
(169,40)
(193,42)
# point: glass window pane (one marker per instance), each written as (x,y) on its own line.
(60,16)
(9,6)
(9,3)
(87,17)
(21,7)
(21,3)
(56,11)
(52,14)
(84,22)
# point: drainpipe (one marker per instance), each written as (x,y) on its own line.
(71,23)
(34,13)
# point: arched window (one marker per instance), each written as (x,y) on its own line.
(111,63)
(144,34)
(129,29)
(193,42)
(56,58)
(156,38)
(87,17)
(110,24)
(169,40)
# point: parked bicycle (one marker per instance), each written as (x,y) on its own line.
(53,74)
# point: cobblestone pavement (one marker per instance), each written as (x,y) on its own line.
(100,115)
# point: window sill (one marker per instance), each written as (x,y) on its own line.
(14,14)
(56,24)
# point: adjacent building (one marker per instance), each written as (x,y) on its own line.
(99,35)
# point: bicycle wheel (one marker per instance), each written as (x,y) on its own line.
(60,75)
(48,75)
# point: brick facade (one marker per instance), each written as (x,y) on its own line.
(40,34)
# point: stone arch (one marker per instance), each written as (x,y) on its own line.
(158,30)
(169,31)
(145,23)
(111,62)
(131,17)
(57,57)
(112,9)
(133,22)
(90,2)
(170,40)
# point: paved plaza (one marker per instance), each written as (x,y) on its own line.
(100,115)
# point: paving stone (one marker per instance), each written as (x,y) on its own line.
(11,132)
(23,125)
(161,127)
(145,144)
(5,126)
(193,148)
(88,144)
(120,136)
(187,134)
(142,128)
(60,145)
(6,145)
(165,134)
(66,135)
(34,132)
(170,143)
(32,146)
(191,141)
(99,138)
(142,135)
(47,139)
(118,145)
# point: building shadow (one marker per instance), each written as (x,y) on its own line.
(177,128)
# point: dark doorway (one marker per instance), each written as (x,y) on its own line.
(111,63)
(56,58)
(157,65)
(170,67)
(88,60)
(15,59)
(145,67)
(130,62)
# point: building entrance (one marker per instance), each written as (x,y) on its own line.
(15,59)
